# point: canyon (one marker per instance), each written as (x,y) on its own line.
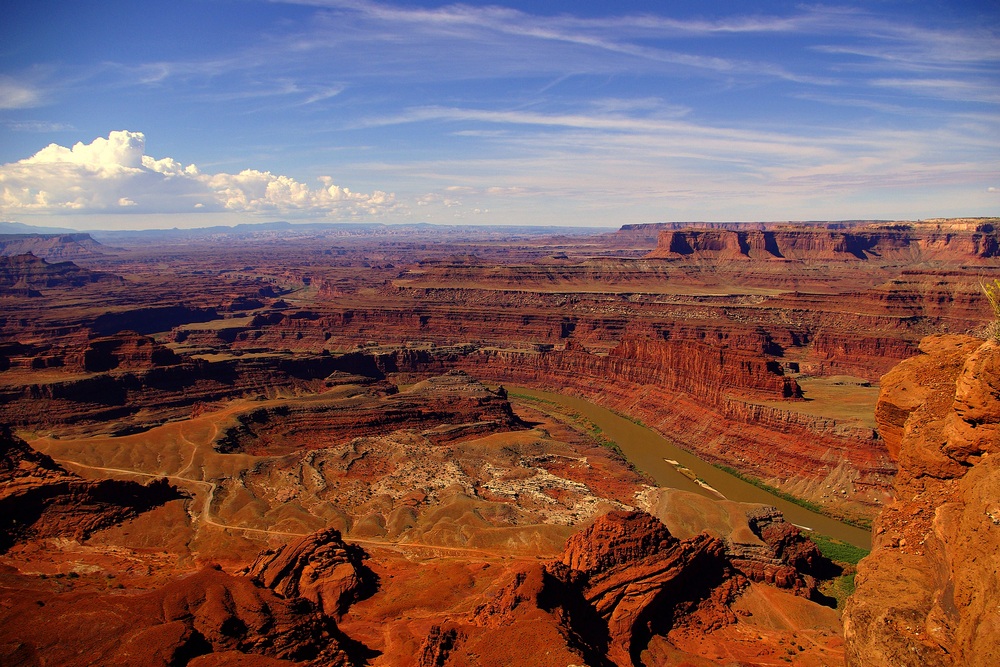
(301,444)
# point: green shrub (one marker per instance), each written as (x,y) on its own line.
(838,551)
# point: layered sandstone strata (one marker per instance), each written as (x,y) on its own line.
(881,242)
(114,381)
(928,593)
(445,407)
(701,398)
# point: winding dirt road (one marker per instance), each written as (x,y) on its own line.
(206,518)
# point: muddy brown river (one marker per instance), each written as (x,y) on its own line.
(666,464)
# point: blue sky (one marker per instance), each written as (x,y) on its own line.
(120,114)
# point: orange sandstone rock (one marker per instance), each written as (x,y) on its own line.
(928,593)
(319,567)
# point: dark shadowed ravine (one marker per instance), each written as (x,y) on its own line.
(651,453)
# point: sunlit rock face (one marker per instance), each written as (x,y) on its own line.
(928,593)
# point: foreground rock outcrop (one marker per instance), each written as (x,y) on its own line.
(320,567)
(206,613)
(618,584)
(779,555)
(928,593)
(637,576)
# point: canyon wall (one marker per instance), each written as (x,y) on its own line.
(699,397)
(702,339)
(703,395)
(889,242)
(109,383)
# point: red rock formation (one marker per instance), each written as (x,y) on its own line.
(636,574)
(456,403)
(618,582)
(38,498)
(202,613)
(785,558)
(319,567)
(437,646)
(150,319)
(694,399)
(689,345)
(928,593)
(696,369)
(113,397)
(125,350)
(882,242)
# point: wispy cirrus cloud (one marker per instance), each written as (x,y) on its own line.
(594,40)
(382,41)
(847,30)
(38,126)
(709,142)
(15,94)
(516,21)
(910,47)
(611,160)
(945,89)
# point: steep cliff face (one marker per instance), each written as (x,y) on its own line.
(128,374)
(895,243)
(125,350)
(699,370)
(928,593)
(706,370)
(455,399)
(700,397)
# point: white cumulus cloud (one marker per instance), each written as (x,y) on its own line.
(116,174)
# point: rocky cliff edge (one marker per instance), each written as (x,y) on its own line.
(928,594)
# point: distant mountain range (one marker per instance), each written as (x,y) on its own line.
(21,228)
(283,228)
